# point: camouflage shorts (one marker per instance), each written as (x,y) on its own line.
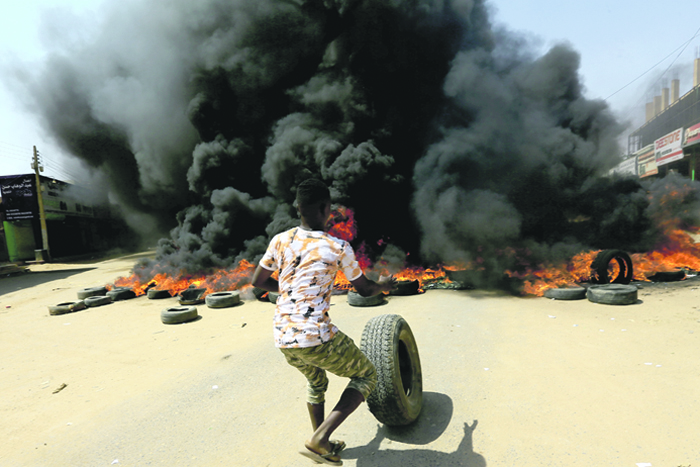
(341,357)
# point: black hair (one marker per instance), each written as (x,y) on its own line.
(312,191)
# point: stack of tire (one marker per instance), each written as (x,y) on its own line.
(604,289)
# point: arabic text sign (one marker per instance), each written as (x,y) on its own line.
(18,197)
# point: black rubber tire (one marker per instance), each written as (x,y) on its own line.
(612,294)
(671,276)
(258,292)
(355,299)
(223,299)
(406,288)
(192,296)
(121,293)
(157,294)
(66,307)
(388,342)
(273,296)
(599,267)
(566,293)
(97,301)
(91,292)
(178,314)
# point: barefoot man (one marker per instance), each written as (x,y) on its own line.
(307,259)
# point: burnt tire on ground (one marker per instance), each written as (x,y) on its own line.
(178,314)
(406,288)
(388,342)
(223,299)
(97,301)
(121,293)
(612,294)
(66,307)
(192,296)
(355,299)
(91,292)
(157,294)
(566,293)
(599,267)
(671,276)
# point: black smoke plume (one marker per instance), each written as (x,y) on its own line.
(447,137)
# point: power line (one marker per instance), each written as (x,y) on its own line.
(682,46)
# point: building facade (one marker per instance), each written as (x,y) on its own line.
(75,225)
(670,138)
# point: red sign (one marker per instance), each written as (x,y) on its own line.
(669,148)
(692,135)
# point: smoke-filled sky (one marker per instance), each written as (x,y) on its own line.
(618,42)
(451,136)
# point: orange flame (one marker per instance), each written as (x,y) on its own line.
(232,279)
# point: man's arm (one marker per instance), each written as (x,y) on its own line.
(368,288)
(263,280)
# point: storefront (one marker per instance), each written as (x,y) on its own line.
(74,225)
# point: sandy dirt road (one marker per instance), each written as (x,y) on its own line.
(508,381)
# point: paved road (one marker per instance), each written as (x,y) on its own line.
(508,382)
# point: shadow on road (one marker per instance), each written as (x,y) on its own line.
(31,279)
(435,417)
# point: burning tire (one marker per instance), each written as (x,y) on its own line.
(192,296)
(155,294)
(223,299)
(388,342)
(612,294)
(406,288)
(273,296)
(672,276)
(355,299)
(97,301)
(178,314)
(566,293)
(121,293)
(91,292)
(600,268)
(66,307)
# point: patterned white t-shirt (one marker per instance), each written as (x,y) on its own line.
(307,262)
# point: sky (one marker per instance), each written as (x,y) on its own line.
(628,48)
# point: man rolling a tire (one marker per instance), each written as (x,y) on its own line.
(307,259)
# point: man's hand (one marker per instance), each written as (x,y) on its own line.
(387,283)
(368,288)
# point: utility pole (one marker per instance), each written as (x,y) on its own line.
(36,165)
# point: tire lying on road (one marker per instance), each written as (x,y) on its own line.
(178,314)
(91,292)
(406,288)
(223,299)
(273,296)
(612,294)
(121,293)
(97,301)
(388,342)
(157,294)
(566,293)
(355,299)
(66,307)
(599,267)
(670,276)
